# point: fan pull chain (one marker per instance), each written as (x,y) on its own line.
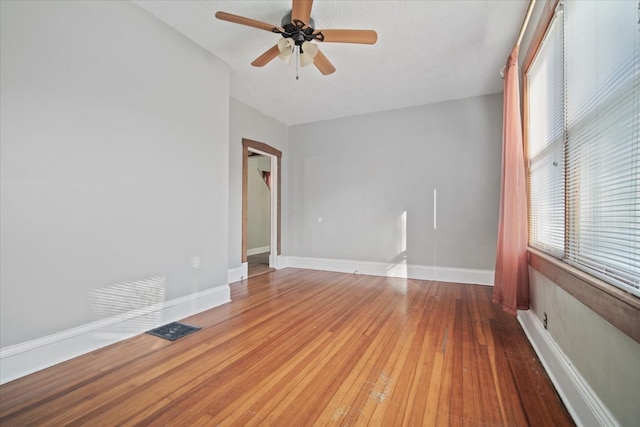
(297,60)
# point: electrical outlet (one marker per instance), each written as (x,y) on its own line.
(544,320)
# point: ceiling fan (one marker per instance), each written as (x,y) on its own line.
(298,34)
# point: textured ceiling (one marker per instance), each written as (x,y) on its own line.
(427,51)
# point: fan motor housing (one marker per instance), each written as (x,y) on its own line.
(286,20)
(299,31)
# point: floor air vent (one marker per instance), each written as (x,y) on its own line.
(173,331)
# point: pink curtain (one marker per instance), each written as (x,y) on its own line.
(511,285)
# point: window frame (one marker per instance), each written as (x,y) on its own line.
(613,304)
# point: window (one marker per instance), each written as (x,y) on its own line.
(583,135)
(546,144)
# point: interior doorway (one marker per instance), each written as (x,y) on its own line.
(259,260)
(258,214)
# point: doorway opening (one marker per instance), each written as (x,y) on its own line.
(267,165)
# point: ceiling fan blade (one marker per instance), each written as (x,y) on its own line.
(237,19)
(323,64)
(349,36)
(266,57)
(301,10)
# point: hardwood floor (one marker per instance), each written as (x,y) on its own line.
(301,348)
(258,264)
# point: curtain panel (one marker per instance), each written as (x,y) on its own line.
(511,283)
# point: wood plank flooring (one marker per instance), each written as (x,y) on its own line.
(258,264)
(302,348)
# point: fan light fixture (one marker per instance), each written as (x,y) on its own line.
(308,51)
(287,46)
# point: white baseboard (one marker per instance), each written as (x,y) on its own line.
(418,272)
(238,273)
(280,262)
(256,251)
(581,401)
(25,358)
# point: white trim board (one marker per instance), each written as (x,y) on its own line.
(238,274)
(581,401)
(256,251)
(25,358)
(402,270)
(279,262)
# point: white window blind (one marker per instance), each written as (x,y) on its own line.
(546,143)
(593,221)
(603,152)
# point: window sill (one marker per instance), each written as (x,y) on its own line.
(616,306)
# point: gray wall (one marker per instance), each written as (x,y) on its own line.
(114,165)
(246,122)
(258,203)
(361,188)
